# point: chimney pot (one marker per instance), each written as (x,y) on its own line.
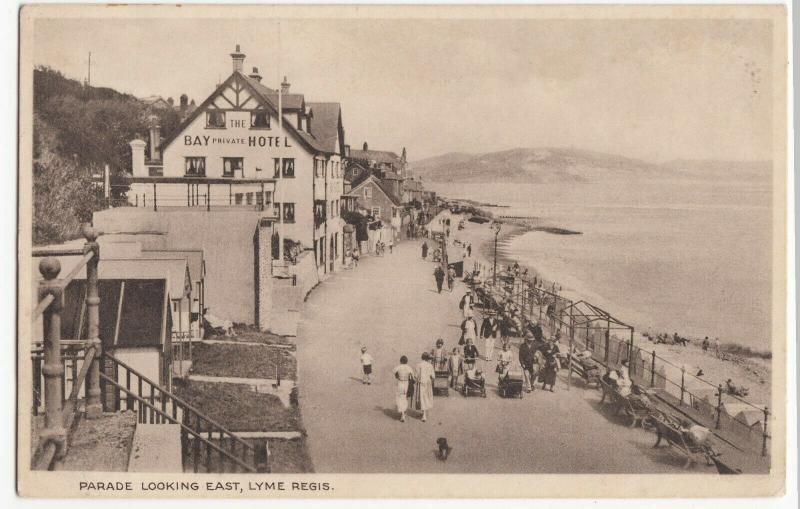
(254,75)
(285,86)
(238,59)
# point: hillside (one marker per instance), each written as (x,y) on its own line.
(544,165)
(76,130)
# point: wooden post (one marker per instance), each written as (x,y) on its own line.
(188,195)
(155,198)
(653,370)
(683,382)
(571,339)
(208,197)
(764,438)
(94,406)
(53,367)
(631,369)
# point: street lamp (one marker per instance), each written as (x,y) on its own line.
(496,227)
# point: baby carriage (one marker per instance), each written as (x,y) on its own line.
(474,382)
(441,378)
(511,384)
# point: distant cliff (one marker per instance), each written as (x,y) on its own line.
(542,165)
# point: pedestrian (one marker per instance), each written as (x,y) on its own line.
(551,367)
(470,354)
(469,329)
(424,377)
(464,253)
(356,256)
(454,366)
(451,277)
(469,249)
(538,335)
(366,366)
(424,250)
(706,344)
(438,274)
(439,356)
(526,360)
(465,304)
(391,243)
(716,347)
(404,374)
(489,331)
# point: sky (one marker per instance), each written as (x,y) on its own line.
(652,89)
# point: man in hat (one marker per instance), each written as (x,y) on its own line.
(526,360)
(438,274)
(490,328)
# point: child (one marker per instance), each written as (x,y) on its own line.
(366,366)
(454,367)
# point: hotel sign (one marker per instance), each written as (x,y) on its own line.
(250,141)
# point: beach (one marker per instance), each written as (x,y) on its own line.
(752,372)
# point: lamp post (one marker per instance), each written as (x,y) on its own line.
(496,227)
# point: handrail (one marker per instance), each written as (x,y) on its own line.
(181,402)
(48,451)
(164,415)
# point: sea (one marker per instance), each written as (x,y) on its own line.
(687,255)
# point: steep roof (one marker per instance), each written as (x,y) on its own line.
(381,156)
(326,124)
(267,96)
(381,185)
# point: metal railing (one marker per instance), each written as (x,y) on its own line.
(60,410)
(204,442)
(588,327)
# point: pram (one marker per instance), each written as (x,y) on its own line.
(441,377)
(511,384)
(474,384)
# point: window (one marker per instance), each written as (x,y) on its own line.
(249,198)
(356,171)
(288,212)
(260,199)
(367,192)
(317,166)
(288,167)
(376,211)
(237,198)
(259,120)
(195,166)
(277,167)
(155,171)
(215,119)
(268,197)
(230,165)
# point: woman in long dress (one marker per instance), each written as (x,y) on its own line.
(551,367)
(424,389)
(403,373)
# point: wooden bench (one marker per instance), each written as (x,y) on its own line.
(671,433)
(591,376)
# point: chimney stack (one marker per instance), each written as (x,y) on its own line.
(255,75)
(285,86)
(366,147)
(137,158)
(155,138)
(238,59)
(184,102)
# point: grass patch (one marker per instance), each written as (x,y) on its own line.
(290,457)
(238,408)
(244,361)
(745,351)
(250,334)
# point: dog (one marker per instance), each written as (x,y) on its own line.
(444,448)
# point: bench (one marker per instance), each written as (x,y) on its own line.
(638,412)
(671,433)
(589,372)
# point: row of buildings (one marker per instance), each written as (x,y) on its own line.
(250,191)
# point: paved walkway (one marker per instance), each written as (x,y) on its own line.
(390,305)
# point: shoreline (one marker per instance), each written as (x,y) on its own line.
(753,368)
(521,226)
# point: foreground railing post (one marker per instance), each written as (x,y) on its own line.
(719,406)
(94,406)
(53,367)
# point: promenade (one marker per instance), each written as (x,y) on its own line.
(390,305)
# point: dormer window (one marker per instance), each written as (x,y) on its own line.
(215,119)
(259,120)
(299,122)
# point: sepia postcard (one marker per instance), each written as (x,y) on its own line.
(403,251)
